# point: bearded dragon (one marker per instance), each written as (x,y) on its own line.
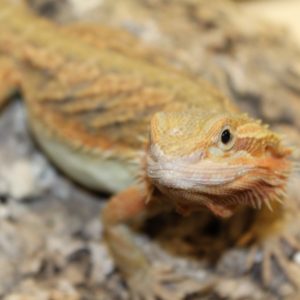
(107,115)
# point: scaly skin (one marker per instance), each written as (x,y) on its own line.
(96,108)
(92,103)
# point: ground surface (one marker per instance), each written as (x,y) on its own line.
(51,244)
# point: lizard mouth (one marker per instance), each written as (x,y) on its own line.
(219,186)
(180,174)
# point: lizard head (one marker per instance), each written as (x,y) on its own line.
(218,160)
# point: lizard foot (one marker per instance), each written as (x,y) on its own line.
(164,283)
(279,250)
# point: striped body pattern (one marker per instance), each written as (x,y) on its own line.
(107,110)
(92,101)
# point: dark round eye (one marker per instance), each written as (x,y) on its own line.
(226,136)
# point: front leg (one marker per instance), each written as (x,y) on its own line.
(274,236)
(145,280)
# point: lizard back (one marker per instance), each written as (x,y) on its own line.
(91,102)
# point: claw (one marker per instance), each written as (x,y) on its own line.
(162,282)
(250,261)
(272,251)
(292,242)
(267,267)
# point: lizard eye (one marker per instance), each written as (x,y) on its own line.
(226,136)
(226,139)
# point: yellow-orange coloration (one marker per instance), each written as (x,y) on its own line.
(106,115)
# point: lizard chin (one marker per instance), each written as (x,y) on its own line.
(192,183)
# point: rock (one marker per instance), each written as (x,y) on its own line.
(20,180)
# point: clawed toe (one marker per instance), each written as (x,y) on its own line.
(164,283)
(271,251)
(292,241)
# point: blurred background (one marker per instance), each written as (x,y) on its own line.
(51,243)
(280,12)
